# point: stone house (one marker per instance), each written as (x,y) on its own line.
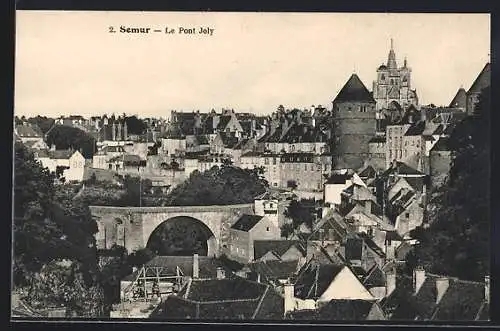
(245,231)
(72,162)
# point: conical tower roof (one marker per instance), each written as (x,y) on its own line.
(354,90)
(482,81)
(460,99)
(391,60)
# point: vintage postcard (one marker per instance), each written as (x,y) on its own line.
(263,167)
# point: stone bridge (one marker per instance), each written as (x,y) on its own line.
(131,227)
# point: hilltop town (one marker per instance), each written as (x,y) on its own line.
(299,214)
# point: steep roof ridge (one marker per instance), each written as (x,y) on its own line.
(456,279)
(260,302)
(370,272)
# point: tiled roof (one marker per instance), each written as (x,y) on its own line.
(403,169)
(303,133)
(61,154)
(224,289)
(246,222)
(460,99)
(462,301)
(29,131)
(267,304)
(354,90)
(377,139)
(375,278)
(416,129)
(368,172)
(280,247)
(223,121)
(483,80)
(442,145)
(228,140)
(314,279)
(338,179)
(274,270)
(336,310)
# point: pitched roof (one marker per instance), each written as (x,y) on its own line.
(402,169)
(336,310)
(246,222)
(460,99)
(298,133)
(483,80)
(354,90)
(29,131)
(463,300)
(60,154)
(377,139)
(314,279)
(368,172)
(375,278)
(442,145)
(274,270)
(223,121)
(251,301)
(280,247)
(416,129)
(224,289)
(338,179)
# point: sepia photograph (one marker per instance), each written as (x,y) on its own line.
(251,167)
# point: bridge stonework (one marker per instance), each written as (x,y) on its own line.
(131,227)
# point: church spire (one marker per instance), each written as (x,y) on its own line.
(391,61)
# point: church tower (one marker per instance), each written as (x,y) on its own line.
(393,84)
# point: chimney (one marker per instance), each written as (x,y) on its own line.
(221,273)
(196,267)
(487,289)
(442,285)
(258,278)
(390,281)
(418,278)
(423,115)
(368,207)
(113,132)
(53,147)
(389,251)
(289,302)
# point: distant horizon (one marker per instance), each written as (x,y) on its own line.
(240,67)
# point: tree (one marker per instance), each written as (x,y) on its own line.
(135,125)
(457,241)
(36,235)
(65,137)
(218,186)
(43,122)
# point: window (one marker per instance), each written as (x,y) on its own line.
(274,160)
(392,81)
(305,166)
(110,166)
(267,229)
(407,215)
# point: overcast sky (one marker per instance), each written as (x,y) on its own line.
(68,63)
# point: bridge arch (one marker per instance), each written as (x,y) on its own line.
(197,235)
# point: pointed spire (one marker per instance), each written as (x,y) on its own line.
(391,61)
(405,61)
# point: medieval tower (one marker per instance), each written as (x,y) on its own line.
(393,84)
(354,124)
